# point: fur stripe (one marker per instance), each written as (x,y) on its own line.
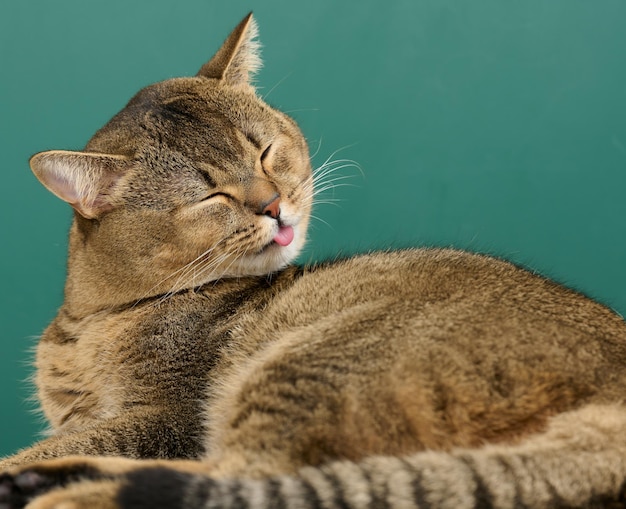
(160,487)
(325,485)
(197,492)
(378,497)
(298,495)
(274,498)
(564,468)
(311,495)
(419,493)
(354,485)
(482,496)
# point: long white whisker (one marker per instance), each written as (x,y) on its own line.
(332,186)
(190,268)
(327,181)
(288,112)
(337,151)
(336,162)
(330,201)
(319,146)
(321,221)
(276,85)
(182,273)
(212,265)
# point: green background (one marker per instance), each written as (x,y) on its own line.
(494,125)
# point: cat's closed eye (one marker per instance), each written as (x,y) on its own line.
(216,194)
(265,166)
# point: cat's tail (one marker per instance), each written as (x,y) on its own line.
(579,461)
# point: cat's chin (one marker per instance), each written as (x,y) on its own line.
(276,255)
(272,258)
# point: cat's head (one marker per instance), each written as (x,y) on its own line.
(195,179)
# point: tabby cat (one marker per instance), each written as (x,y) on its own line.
(191,366)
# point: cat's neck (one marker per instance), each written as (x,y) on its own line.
(94,285)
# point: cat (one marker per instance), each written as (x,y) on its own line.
(193,365)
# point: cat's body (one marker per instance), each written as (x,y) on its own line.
(182,335)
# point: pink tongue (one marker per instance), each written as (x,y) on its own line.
(284,236)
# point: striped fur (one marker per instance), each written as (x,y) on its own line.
(192,367)
(558,469)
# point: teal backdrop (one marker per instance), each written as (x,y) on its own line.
(497,126)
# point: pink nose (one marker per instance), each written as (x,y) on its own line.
(272,209)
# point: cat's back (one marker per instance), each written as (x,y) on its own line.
(421,279)
(446,311)
(455,347)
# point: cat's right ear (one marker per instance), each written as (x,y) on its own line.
(238,59)
(83,179)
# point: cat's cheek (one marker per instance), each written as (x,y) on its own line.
(167,258)
(203,222)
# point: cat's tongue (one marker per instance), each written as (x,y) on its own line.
(284,236)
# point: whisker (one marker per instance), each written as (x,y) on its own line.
(336,166)
(288,112)
(331,180)
(329,201)
(321,221)
(333,187)
(319,146)
(326,178)
(182,273)
(276,85)
(336,152)
(190,267)
(212,264)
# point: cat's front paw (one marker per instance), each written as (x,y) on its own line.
(20,486)
(19,489)
(21,492)
(91,482)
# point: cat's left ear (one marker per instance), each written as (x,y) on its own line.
(85,180)
(239,58)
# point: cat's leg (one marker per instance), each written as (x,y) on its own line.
(141,433)
(578,462)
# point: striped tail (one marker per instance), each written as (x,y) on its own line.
(579,462)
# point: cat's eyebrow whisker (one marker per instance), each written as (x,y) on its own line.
(297,110)
(288,75)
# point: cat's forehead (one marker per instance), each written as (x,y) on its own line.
(193,116)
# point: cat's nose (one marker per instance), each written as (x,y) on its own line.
(272,208)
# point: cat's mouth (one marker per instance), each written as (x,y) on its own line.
(284,236)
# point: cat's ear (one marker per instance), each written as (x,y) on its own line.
(85,180)
(239,57)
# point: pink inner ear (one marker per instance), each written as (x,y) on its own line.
(84,180)
(60,185)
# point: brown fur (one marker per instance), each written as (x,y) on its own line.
(186,334)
